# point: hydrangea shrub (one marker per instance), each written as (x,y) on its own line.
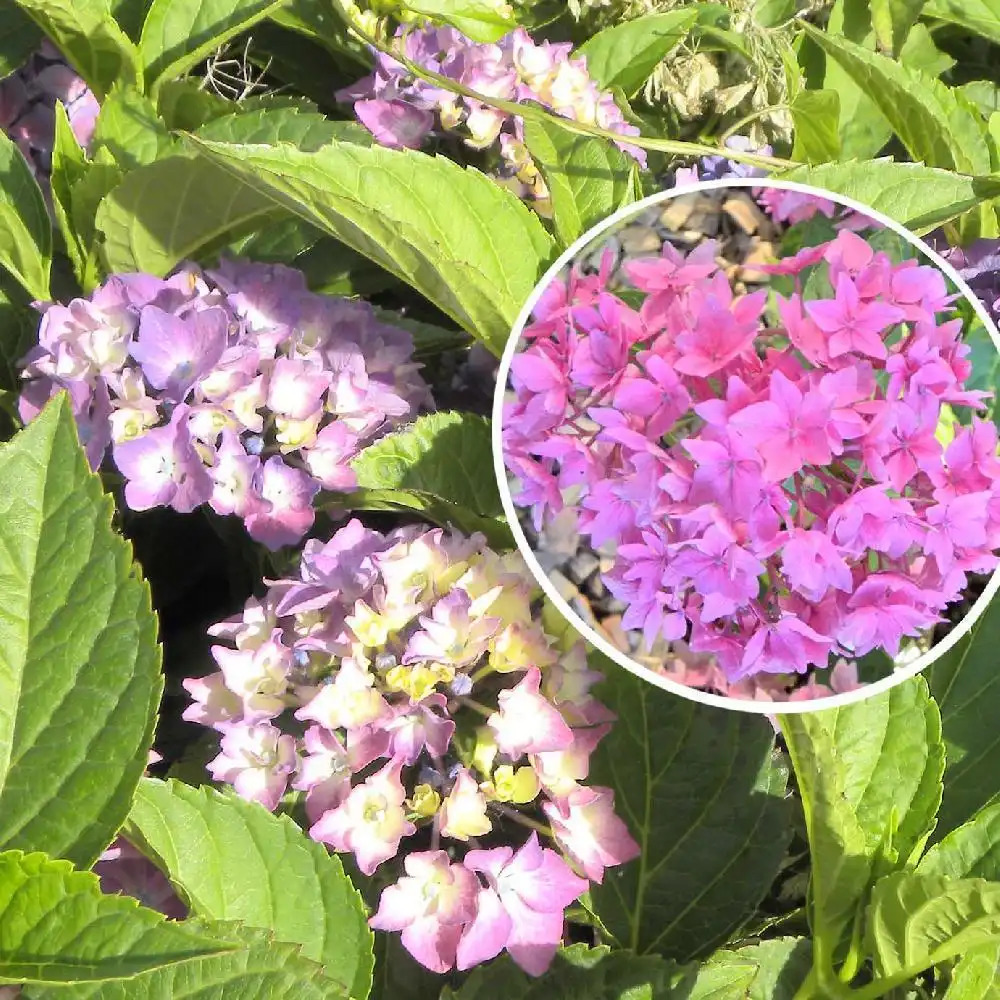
(770,474)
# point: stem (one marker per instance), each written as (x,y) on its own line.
(531,824)
(476,706)
(677,147)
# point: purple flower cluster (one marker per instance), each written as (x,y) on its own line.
(27,106)
(771,478)
(714,168)
(402,111)
(438,716)
(236,387)
(979,266)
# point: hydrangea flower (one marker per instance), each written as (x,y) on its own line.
(27,106)
(445,738)
(773,482)
(235,387)
(403,111)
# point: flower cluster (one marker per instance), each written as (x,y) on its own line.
(401,110)
(404,684)
(979,266)
(772,478)
(27,106)
(716,168)
(237,387)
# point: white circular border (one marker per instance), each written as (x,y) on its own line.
(585,630)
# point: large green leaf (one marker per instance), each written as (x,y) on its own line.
(976,975)
(972,850)
(179,34)
(465,243)
(88,36)
(233,860)
(782,967)
(936,124)
(19,37)
(306,130)
(79,665)
(870,779)
(129,129)
(625,54)
(480,20)
(25,229)
(916,921)
(56,926)
(260,968)
(445,454)
(704,796)
(815,114)
(588,178)
(892,20)
(981,17)
(918,197)
(966,685)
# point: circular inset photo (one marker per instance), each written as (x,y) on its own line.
(746,438)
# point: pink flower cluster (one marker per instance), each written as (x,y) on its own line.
(771,476)
(27,106)
(438,722)
(401,110)
(236,387)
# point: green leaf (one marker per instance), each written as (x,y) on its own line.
(704,797)
(186,105)
(90,39)
(179,34)
(727,975)
(917,921)
(306,130)
(971,851)
(918,197)
(625,54)
(981,17)
(772,13)
(261,968)
(870,779)
(588,178)
(233,860)
(79,665)
(446,454)
(19,37)
(935,123)
(129,129)
(892,20)
(816,114)
(976,975)
(59,928)
(25,228)
(465,243)
(481,20)
(964,684)
(782,967)
(166,211)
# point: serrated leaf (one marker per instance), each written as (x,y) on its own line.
(261,968)
(480,20)
(588,178)
(703,796)
(79,666)
(19,37)
(870,779)
(233,860)
(129,129)
(625,54)
(782,966)
(166,211)
(981,17)
(468,245)
(918,197)
(90,39)
(935,123)
(179,34)
(307,131)
(186,105)
(972,850)
(917,921)
(892,20)
(964,684)
(57,927)
(25,228)
(816,114)
(446,454)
